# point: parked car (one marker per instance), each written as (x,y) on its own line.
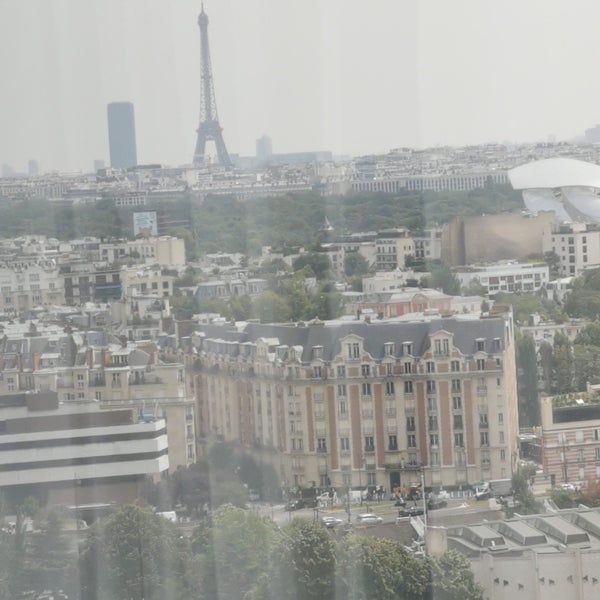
(368,519)
(311,502)
(294,505)
(331,522)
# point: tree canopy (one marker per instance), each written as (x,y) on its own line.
(136,555)
(222,223)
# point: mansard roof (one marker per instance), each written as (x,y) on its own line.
(464,332)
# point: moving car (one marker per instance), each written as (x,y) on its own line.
(368,519)
(411,511)
(331,522)
(294,505)
(434,503)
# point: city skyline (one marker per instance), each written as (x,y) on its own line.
(349,77)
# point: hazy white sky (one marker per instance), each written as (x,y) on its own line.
(344,75)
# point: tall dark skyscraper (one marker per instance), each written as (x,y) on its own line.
(121,135)
(209,128)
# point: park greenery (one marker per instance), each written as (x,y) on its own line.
(224,224)
(233,553)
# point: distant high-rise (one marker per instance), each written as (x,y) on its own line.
(121,135)
(209,128)
(33,167)
(7,170)
(264,148)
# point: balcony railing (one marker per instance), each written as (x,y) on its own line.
(144,381)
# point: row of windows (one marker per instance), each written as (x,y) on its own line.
(440,348)
(390,388)
(579,436)
(369,443)
(580,455)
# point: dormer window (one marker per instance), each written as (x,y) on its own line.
(388,349)
(480,345)
(407,348)
(354,350)
(317,352)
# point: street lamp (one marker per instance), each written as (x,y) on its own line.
(424,510)
(360,466)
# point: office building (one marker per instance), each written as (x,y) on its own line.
(76,453)
(121,135)
(505,277)
(264,148)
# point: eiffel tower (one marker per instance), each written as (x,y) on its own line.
(209,128)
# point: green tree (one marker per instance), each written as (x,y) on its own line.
(270,307)
(522,480)
(236,550)
(553,261)
(562,364)
(584,301)
(316,262)
(326,305)
(589,335)
(136,555)
(355,264)
(293,289)
(441,277)
(452,578)
(529,412)
(192,486)
(302,564)
(240,307)
(585,366)
(184,306)
(370,567)
(474,288)
(563,498)
(546,363)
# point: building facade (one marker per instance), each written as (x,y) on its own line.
(93,367)
(506,277)
(28,282)
(392,248)
(76,453)
(571,437)
(577,246)
(355,404)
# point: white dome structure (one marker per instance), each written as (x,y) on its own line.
(569,187)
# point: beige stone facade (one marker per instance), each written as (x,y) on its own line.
(355,404)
